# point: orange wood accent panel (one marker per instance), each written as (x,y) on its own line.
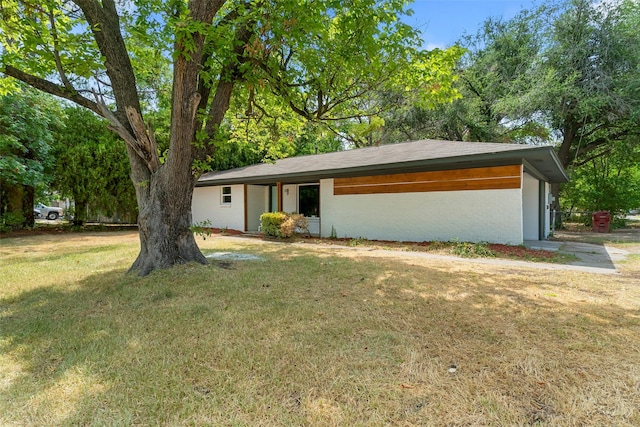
(490,178)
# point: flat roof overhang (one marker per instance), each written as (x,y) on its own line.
(542,159)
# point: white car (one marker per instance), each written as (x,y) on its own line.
(48,212)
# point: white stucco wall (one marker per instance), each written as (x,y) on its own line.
(257,204)
(289,198)
(480,215)
(313,224)
(207,205)
(530,207)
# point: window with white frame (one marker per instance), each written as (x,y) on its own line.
(225,195)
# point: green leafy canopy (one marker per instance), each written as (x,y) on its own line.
(324,60)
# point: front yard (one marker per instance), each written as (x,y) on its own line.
(309,335)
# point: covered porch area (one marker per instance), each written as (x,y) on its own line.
(303,198)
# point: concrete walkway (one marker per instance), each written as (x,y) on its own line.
(595,258)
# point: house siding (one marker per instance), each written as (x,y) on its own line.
(290,198)
(207,206)
(531,207)
(257,204)
(467,215)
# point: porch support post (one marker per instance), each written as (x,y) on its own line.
(279,187)
(246,209)
(542,211)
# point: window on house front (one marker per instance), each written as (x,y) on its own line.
(309,200)
(226,196)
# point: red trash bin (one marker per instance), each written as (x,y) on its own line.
(601,221)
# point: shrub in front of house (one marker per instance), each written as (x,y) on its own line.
(270,223)
(295,223)
(282,224)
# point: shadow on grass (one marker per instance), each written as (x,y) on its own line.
(311,339)
(57,256)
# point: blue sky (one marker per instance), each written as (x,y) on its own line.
(442,22)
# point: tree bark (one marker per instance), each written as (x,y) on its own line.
(79,210)
(28,199)
(564,155)
(164,224)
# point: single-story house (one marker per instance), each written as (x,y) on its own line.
(414,191)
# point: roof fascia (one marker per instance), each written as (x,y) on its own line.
(544,154)
(531,170)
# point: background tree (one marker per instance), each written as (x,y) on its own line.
(320,57)
(610,182)
(563,74)
(494,80)
(592,59)
(27,119)
(91,167)
(263,127)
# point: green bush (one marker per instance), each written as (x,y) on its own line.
(282,224)
(202,229)
(10,221)
(270,223)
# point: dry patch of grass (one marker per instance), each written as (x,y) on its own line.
(309,336)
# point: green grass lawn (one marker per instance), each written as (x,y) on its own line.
(309,336)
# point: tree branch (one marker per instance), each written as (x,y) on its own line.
(52,88)
(228,78)
(56,54)
(593,130)
(146,145)
(102,17)
(204,89)
(601,141)
(595,156)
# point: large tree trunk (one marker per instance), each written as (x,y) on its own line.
(164,220)
(79,210)
(164,224)
(164,201)
(564,155)
(164,192)
(28,201)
